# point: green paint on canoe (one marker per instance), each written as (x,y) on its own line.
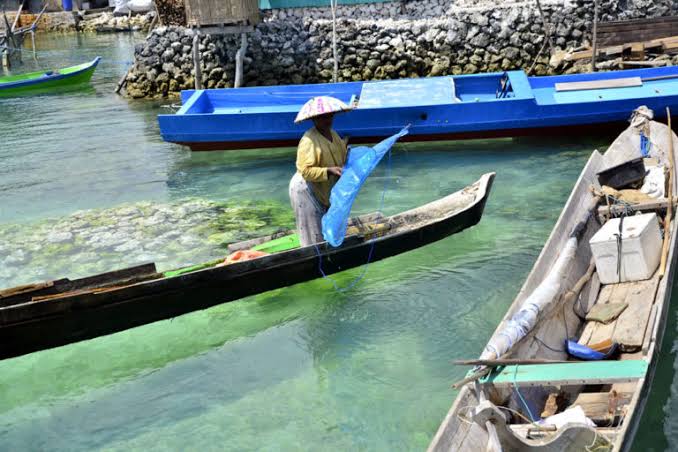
(289,242)
(286,243)
(575,372)
(192,268)
(42,81)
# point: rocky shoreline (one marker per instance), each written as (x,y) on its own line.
(106,22)
(84,21)
(290,49)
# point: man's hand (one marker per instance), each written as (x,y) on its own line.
(336,170)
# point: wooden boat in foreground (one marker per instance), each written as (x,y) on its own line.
(47,81)
(55,313)
(437,108)
(506,400)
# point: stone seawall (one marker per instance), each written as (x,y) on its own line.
(292,47)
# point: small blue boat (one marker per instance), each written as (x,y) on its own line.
(437,108)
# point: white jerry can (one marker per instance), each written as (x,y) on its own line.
(641,246)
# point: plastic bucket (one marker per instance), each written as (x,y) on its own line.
(67,5)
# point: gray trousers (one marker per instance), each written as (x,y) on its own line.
(307,210)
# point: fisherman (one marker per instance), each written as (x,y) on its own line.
(321,155)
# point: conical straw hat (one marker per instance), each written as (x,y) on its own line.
(320,105)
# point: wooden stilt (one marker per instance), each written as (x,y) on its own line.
(196,60)
(239,57)
(333,4)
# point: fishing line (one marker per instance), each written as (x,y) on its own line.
(374,240)
(515,386)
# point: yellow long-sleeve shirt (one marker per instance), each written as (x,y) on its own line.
(314,155)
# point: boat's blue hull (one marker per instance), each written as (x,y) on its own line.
(437,108)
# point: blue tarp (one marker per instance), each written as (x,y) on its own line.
(361,162)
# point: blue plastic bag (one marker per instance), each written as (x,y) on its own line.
(361,162)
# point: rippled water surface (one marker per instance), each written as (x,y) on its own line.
(87,185)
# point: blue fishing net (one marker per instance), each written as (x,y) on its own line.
(361,161)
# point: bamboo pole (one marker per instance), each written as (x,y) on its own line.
(471,378)
(669,209)
(18,14)
(505,362)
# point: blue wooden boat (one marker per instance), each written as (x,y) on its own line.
(438,108)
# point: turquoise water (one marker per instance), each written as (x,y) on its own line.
(87,185)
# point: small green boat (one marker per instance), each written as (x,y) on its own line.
(45,81)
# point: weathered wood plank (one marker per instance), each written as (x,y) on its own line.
(639,207)
(638,51)
(632,323)
(626,82)
(660,63)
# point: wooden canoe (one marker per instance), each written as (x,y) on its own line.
(55,313)
(47,81)
(612,392)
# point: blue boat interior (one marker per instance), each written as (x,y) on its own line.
(380,94)
(448,90)
(653,82)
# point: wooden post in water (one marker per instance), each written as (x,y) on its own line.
(595,36)
(333,7)
(196,60)
(239,57)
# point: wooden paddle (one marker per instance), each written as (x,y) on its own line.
(669,209)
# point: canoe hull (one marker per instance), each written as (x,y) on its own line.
(261,117)
(49,83)
(639,334)
(94,315)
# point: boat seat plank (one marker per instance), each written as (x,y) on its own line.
(572,373)
(602,332)
(602,407)
(631,325)
(591,328)
(629,328)
(625,82)
(528,431)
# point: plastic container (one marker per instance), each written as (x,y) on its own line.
(67,5)
(641,247)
